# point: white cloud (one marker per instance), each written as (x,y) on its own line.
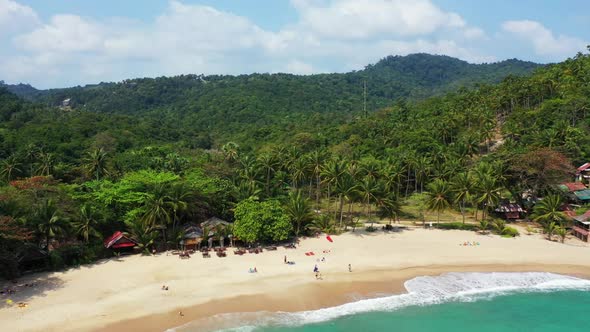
(543,40)
(65,33)
(299,67)
(16,17)
(355,19)
(330,35)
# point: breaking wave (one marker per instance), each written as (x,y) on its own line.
(425,290)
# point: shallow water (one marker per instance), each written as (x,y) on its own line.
(531,301)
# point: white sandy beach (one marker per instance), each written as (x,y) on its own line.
(117,290)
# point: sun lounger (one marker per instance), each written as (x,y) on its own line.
(206,254)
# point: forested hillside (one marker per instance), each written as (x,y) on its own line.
(250,108)
(73,176)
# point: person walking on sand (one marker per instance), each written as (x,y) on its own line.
(285,259)
(349,268)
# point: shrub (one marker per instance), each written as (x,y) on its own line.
(371,229)
(510,232)
(456,225)
(56,261)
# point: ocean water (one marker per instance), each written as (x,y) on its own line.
(531,301)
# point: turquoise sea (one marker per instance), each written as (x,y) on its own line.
(502,302)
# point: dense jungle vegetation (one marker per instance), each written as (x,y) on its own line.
(264,151)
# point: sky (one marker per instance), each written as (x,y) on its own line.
(61,43)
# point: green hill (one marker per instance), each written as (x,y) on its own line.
(262,104)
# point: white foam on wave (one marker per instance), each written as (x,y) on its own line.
(426,290)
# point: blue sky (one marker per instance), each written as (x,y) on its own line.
(61,43)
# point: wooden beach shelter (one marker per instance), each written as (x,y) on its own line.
(510,211)
(211,225)
(192,237)
(119,241)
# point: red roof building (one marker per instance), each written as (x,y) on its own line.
(118,240)
(575,186)
(583,168)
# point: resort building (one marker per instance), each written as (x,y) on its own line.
(577,191)
(581,227)
(583,173)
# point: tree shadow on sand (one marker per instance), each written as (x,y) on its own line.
(27,288)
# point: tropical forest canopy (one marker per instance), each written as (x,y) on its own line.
(264,151)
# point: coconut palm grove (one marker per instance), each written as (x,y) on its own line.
(419,139)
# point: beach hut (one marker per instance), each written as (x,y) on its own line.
(212,223)
(581,227)
(510,211)
(119,241)
(192,237)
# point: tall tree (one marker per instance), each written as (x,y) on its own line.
(299,210)
(548,210)
(96,163)
(10,166)
(438,197)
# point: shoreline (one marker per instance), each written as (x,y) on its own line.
(323,294)
(126,292)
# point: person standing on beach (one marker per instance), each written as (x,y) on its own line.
(285,259)
(349,268)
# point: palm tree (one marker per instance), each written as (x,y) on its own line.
(422,170)
(46,163)
(369,189)
(179,197)
(389,206)
(10,166)
(96,163)
(299,210)
(346,188)
(438,197)
(489,193)
(322,224)
(500,226)
(392,176)
(562,232)
(483,226)
(548,210)
(332,171)
(268,164)
(142,233)
(158,207)
(49,222)
(88,219)
(230,151)
(550,229)
(462,187)
(316,160)
(30,155)
(298,170)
